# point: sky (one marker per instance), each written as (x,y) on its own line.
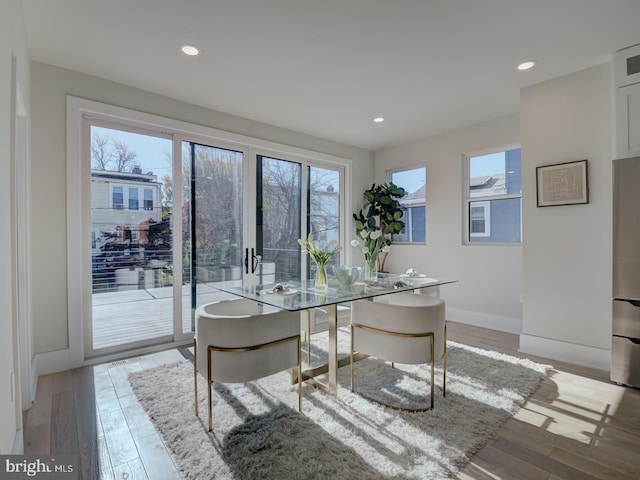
(152,153)
(486,164)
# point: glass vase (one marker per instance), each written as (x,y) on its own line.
(370,269)
(321,276)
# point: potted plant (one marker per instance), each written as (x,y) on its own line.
(379,218)
(320,254)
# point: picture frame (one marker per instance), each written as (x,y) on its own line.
(562,184)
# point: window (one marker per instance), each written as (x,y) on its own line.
(148,200)
(95,239)
(480,219)
(133,199)
(117,198)
(493,206)
(414,182)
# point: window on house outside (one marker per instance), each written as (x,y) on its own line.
(148,199)
(493,206)
(118,198)
(480,219)
(133,199)
(414,181)
(95,239)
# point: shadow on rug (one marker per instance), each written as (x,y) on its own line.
(259,434)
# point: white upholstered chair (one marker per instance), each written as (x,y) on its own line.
(238,341)
(402,328)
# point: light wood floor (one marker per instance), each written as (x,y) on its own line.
(577,425)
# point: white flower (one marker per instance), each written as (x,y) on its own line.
(375,234)
(355,243)
(386,249)
(364,233)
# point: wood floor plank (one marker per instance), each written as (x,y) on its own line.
(589,465)
(89,459)
(528,454)
(118,437)
(157,461)
(37,439)
(131,470)
(40,411)
(64,428)
(105,466)
(504,463)
(84,397)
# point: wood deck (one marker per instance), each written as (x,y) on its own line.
(143,314)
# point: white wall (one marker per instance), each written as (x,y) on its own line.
(12,45)
(50,85)
(490,277)
(567,249)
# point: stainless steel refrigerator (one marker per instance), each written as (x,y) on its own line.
(625,341)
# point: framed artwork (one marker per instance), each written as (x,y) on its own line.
(562,184)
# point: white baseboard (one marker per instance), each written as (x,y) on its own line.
(485,320)
(51,362)
(584,355)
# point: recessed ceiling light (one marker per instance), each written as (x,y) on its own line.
(190,50)
(526,65)
(378,119)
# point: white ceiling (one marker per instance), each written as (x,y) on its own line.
(327,67)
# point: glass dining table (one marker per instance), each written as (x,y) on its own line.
(300,296)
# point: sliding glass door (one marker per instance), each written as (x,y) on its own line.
(171,218)
(212,223)
(132,246)
(278,219)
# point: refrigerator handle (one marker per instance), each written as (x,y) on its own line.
(635,303)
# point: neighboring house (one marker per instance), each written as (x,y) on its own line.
(325,221)
(414,217)
(495,216)
(125,211)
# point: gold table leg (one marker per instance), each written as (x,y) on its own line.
(333,349)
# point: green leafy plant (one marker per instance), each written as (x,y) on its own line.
(379,218)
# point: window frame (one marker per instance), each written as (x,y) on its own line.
(145,205)
(114,205)
(467,199)
(132,206)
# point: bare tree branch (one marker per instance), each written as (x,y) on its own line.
(123,156)
(101,154)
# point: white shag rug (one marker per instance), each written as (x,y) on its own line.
(259,433)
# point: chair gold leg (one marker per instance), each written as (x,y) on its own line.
(299,375)
(432,371)
(308,337)
(351,361)
(209,386)
(444,364)
(195,375)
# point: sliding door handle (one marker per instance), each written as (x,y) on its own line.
(254,261)
(246,260)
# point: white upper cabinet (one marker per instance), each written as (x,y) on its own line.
(628,121)
(627,66)
(627,81)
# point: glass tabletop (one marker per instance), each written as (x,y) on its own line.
(295,295)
